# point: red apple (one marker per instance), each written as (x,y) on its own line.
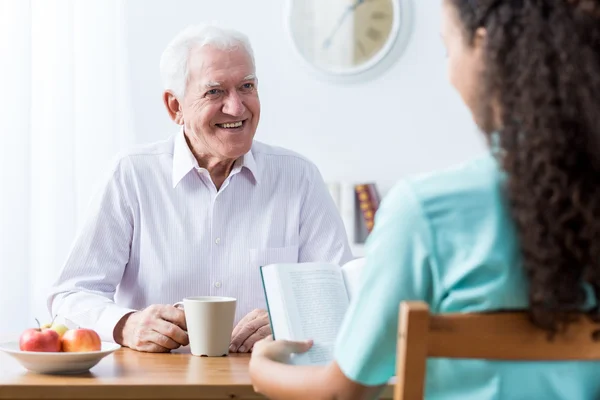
(37,339)
(81,339)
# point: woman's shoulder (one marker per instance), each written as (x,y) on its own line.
(477,176)
(464,220)
(476,185)
(452,206)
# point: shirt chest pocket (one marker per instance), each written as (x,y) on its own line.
(273,255)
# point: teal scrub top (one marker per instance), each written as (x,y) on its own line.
(447,238)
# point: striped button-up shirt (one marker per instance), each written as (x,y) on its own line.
(159,231)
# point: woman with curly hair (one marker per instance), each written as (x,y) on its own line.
(516,229)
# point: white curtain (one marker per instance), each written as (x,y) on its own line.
(64,113)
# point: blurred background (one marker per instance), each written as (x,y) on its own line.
(80,82)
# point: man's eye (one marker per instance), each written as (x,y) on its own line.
(248,86)
(213,92)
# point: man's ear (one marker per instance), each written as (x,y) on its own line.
(173,107)
(479,38)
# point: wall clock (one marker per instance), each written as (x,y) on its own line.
(349,40)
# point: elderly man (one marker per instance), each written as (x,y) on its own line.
(198,213)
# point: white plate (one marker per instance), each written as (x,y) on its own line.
(58,362)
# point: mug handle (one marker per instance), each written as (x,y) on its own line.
(178,304)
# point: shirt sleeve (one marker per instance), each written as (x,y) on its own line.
(322,233)
(397,268)
(83,294)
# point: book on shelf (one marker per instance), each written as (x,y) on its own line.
(309,301)
(357,204)
(367,200)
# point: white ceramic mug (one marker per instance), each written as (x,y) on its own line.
(209,322)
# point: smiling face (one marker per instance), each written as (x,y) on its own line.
(221,109)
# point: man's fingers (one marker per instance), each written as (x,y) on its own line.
(247,318)
(237,328)
(157,328)
(242,335)
(152,348)
(147,342)
(162,340)
(238,342)
(246,327)
(172,314)
(261,333)
(171,331)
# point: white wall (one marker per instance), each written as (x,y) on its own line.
(409,120)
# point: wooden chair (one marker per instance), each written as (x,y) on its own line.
(490,336)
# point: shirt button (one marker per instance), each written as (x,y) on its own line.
(217,284)
(218,240)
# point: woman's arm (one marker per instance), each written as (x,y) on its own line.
(397,269)
(288,382)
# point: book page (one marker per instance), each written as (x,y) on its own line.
(278,315)
(316,300)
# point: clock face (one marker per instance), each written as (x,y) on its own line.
(344,36)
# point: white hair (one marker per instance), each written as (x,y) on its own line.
(174,60)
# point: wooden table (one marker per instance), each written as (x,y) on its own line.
(128,374)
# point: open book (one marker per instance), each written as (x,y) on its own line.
(309,301)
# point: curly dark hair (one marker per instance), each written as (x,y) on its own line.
(542,67)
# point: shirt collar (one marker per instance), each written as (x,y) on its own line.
(184,161)
(247,161)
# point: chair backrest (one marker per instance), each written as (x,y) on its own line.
(490,336)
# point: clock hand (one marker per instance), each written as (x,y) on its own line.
(341,20)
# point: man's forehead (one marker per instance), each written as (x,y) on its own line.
(215,82)
(212,65)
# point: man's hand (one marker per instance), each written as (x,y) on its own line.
(155,329)
(249,330)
